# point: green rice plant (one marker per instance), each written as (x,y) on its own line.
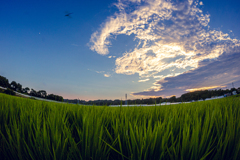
(32,129)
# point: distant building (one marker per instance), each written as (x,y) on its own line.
(234,92)
(227,94)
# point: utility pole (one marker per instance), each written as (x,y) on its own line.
(232,85)
(126,99)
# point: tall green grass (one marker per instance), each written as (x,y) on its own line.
(33,129)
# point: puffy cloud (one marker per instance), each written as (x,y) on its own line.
(171,34)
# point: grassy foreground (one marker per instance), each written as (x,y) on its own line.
(33,129)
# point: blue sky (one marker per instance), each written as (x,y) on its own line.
(109,48)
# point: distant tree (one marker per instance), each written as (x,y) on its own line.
(158,100)
(233,89)
(13,85)
(26,90)
(55,97)
(33,92)
(10,92)
(19,87)
(4,82)
(172,99)
(42,93)
(51,96)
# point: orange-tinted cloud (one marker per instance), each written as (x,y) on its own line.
(204,88)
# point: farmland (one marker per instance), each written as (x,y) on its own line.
(32,129)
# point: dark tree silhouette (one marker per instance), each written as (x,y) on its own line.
(4,82)
(14,85)
(26,90)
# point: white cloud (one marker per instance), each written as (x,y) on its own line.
(107,75)
(144,80)
(171,35)
(104,74)
(111,56)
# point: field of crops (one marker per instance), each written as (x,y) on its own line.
(32,129)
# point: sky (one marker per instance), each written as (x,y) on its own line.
(106,49)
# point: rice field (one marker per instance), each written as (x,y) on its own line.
(32,129)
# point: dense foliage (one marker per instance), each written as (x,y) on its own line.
(18,87)
(44,130)
(9,91)
(4,81)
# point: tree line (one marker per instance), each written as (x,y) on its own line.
(14,86)
(197,95)
(186,97)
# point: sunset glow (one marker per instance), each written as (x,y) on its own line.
(204,88)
